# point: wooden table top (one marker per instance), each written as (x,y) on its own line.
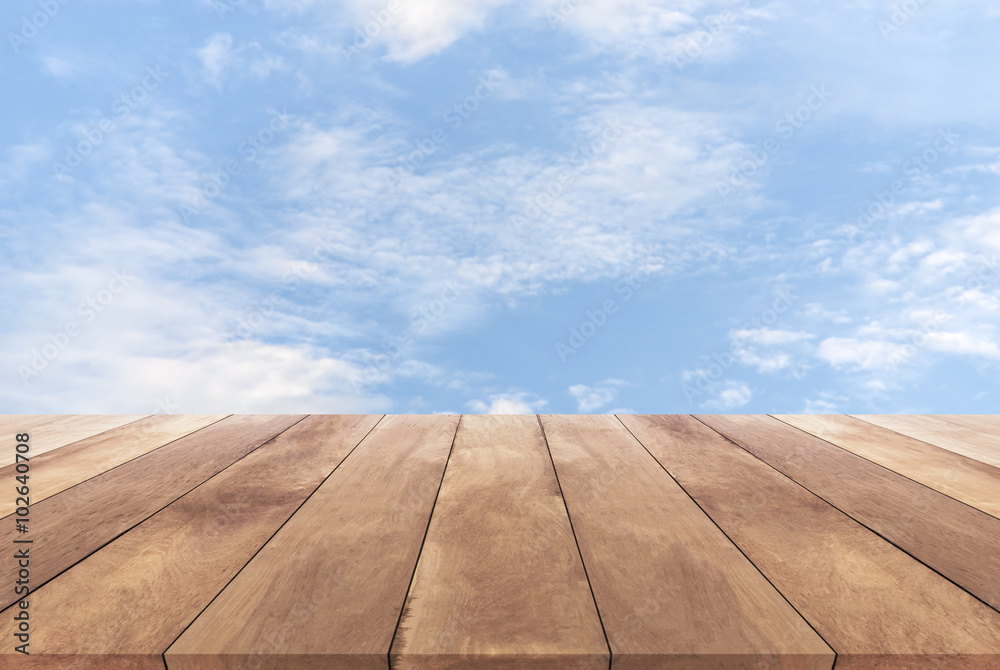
(500,542)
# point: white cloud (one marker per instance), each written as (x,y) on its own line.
(769,363)
(757,347)
(865,355)
(456,218)
(770,337)
(729,395)
(820,406)
(389,251)
(61,68)
(590,399)
(815,310)
(415,29)
(508,403)
(157,342)
(170,335)
(219,56)
(700,30)
(21,159)
(915,208)
(982,231)
(182,313)
(904,254)
(264,66)
(689,31)
(250,378)
(880,287)
(963,344)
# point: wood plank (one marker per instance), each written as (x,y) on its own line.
(672,590)
(12,424)
(134,597)
(958,541)
(966,479)
(972,436)
(16,422)
(876,606)
(499,582)
(327,590)
(71,525)
(985,423)
(49,435)
(67,466)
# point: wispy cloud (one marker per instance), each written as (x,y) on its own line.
(592,398)
(508,403)
(475,180)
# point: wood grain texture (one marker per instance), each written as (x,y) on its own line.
(12,424)
(49,435)
(985,423)
(499,543)
(141,548)
(16,423)
(78,521)
(327,590)
(871,602)
(135,596)
(969,435)
(67,466)
(966,479)
(958,541)
(672,590)
(9,661)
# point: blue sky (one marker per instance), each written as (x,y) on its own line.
(644,206)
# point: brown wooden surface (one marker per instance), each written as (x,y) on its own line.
(70,525)
(67,466)
(446,542)
(499,542)
(327,590)
(865,597)
(662,573)
(12,424)
(967,435)
(134,597)
(986,423)
(958,541)
(47,435)
(960,477)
